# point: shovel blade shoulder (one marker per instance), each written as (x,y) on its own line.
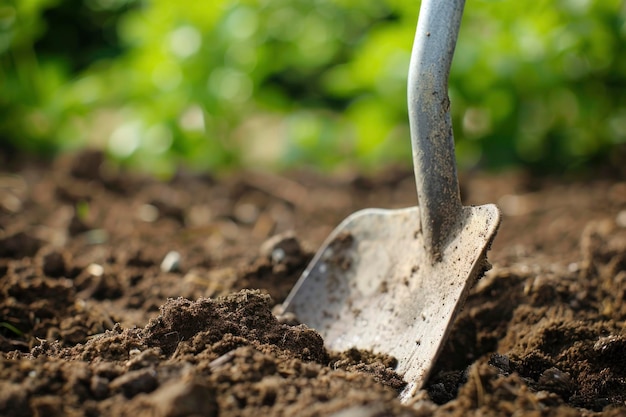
(372,285)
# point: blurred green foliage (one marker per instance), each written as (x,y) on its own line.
(318,82)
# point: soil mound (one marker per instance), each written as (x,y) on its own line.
(124,296)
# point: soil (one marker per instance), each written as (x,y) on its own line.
(121,295)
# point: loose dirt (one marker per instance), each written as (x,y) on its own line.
(124,296)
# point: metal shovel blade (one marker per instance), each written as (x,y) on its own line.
(391,281)
(373,286)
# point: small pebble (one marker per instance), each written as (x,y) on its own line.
(96,236)
(278,255)
(246,213)
(11,203)
(171,262)
(95,270)
(148,213)
(282,248)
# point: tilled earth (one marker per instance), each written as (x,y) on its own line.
(124,296)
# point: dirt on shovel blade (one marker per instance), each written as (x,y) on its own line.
(124,296)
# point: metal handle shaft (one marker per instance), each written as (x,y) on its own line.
(429,116)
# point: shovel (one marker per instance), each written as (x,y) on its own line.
(392,281)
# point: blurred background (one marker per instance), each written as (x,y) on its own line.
(322,83)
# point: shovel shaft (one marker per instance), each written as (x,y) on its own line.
(429,117)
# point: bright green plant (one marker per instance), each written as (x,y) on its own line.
(292,82)
(539,84)
(44,44)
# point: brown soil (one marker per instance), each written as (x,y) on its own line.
(124,296)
